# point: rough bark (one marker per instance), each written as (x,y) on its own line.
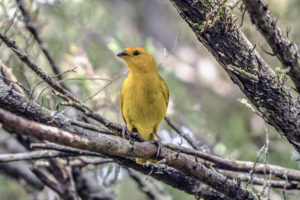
(285,50)
(113,146)
(18,104)
(214,26)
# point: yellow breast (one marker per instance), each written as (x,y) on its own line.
(143,103)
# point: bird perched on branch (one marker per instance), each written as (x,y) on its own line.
(144,96)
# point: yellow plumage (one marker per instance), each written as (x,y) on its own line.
(144,96)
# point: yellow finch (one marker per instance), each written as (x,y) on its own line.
(144,96)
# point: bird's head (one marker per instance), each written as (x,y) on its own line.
(138,60)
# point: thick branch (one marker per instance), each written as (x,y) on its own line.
(116,147)
(215,27)
(167,175)
(285,50)
(16,103)
(181,162)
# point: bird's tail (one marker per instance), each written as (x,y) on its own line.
(143,161)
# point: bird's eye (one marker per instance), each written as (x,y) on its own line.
(136,53)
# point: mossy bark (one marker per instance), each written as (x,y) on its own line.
(265,90)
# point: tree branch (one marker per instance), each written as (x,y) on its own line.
(145,186)
(240,166)
(31,27)
(21,171)
(165,174)
(88,188)
(285,50)
(24,58)
(278,106)
(61,189)
(255,180)
(14,102)
(32,155)
(171,158)
(115,147)
(62,92)
(178,130)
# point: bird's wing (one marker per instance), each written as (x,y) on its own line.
(165,90)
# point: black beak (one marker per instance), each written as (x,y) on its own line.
(122,53)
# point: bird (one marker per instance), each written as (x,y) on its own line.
(144,96)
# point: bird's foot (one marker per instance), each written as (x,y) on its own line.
(124,132)
(158,143)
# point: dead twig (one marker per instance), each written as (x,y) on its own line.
(34,155)
(31,27)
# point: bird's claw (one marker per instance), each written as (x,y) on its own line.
(158,143)
(124,132)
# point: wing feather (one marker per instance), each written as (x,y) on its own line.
(165,90)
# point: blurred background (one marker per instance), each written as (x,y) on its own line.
(86,35)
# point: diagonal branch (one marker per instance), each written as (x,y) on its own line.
(116,147)
(63,190)
(24,58)
(178,130)
(285,50)
(31,26)
(152,192)
(278,106)
(21,171)
(63,92)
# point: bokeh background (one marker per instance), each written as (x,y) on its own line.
(86,35)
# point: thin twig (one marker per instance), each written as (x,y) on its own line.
(241,166)
(152,192)
(81,162)
(91,127)
(32,155)
(260,181)
(64,190)
(178,130)
(31,27)
(52,146)
(105,86)
(255,163)
(24,58)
